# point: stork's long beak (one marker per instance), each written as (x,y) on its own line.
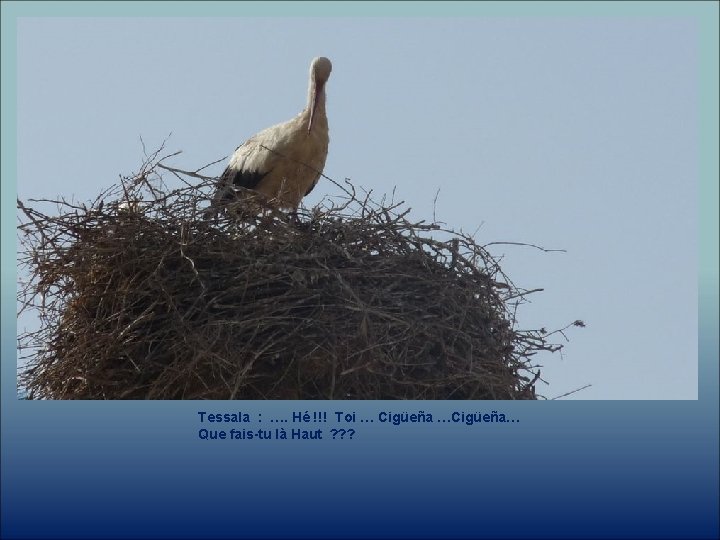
(314,104)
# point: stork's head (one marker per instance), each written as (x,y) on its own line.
(320,69)
(319,74)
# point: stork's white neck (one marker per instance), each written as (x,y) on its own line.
(320,119)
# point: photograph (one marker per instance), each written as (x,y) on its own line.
(462,208)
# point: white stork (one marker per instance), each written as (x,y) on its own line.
(284,162)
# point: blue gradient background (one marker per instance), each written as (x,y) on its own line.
(566,469)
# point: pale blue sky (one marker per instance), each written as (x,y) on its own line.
(571,133)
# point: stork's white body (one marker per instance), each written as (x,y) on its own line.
(284,162)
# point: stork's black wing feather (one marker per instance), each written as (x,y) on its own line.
(246,179)
(236,178)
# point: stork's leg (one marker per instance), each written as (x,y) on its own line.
(294,217)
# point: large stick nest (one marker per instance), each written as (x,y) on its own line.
(141,295)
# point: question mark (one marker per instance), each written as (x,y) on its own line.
(351,432)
